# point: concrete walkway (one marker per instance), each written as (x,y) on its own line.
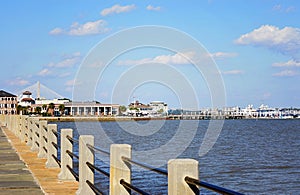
(46,178)
(15,178)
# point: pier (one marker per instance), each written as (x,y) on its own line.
(37,143)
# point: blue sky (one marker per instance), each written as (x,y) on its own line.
(255,44)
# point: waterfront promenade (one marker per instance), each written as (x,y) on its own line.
(39,143)
(28,175)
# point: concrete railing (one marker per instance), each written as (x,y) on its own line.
(42,138)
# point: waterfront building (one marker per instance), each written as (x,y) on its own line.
(138,109)
(91,109)
(54,107)
(250,112)
(26,99)
(159,107)
(8,103)
(154,108)
(231,112)
(264,111)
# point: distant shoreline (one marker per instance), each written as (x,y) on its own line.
(114,119)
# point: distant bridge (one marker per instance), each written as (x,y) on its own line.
(37,89)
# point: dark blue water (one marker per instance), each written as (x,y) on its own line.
(249,156)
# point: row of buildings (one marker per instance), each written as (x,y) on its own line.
(263,111)
(26,104)
(11,104)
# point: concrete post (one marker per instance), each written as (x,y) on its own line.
(118,168)
(178,169)
(35,130)
(17,121)
(29,132)
(26,128)
(51,163)
(43,144)
(85,173)
(65,145)
(22,128)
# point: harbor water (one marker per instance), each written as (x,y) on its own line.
(249,156)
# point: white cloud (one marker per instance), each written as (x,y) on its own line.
(221,55)
(286,73)
(88,28)
(18,82)
(233,72)
(56,31)
(178,58)
(152,8)
(70,83)
(68,61)
(116,9)
(285,40)
(96,27)
(65,74)
(280,8)
(267,95)
(45,72)
(290,63)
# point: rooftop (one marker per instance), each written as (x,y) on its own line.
(6,94)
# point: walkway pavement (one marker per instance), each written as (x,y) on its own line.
(15,178)
(41,176)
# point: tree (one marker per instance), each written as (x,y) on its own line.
(61,108)
(160,111)
(123,109)
(51,107)
(19,109)
(44,106)
(38,110)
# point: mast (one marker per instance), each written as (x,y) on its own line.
(38,90)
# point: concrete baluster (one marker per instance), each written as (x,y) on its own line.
(118,168)
(35,138)
(65,145)
(178,169)
(43,134)
(22,128)
(29,132)
(15,124)
(26,128)
(52,151)
(19,126)
(85,173)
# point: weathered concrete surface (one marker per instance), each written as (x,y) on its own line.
(15,178)
(46,178)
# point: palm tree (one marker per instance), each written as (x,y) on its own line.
(38,110)
(44,106)
(19,109)
(51,107)
(123,109)
(61,109)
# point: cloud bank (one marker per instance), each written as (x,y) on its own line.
(88,28)
(178,58)
(117,9)
(285,40)
(152,8)
(290,63)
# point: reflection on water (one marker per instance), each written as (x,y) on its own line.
(250,156)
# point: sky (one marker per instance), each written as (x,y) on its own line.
(255,46)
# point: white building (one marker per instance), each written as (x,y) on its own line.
(154,108)
(159,107)
(250,111)
(26,99)
(91,109)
